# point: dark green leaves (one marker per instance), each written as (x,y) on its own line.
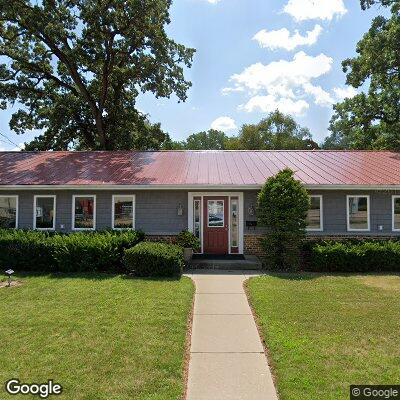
(77,66)
(283,203)
(371,120)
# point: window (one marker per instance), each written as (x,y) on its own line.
(44,211)
(234,222)
(197,218)
(358,213)
(396,213)
(8,211)
(123,212)
(83,212)
(215,213)
(314,215)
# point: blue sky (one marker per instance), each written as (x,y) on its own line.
(250,60)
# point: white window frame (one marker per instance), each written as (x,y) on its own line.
(49,196)
(132,197)
(368,214)
(199,200)
(208,219)
(16,207)
(394,229)
(321,214)
(201,195)
(230,222)
(94,212)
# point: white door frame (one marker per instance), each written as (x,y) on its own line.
(201,195)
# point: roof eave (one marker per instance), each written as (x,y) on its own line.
(191,187)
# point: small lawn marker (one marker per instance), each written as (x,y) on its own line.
(9,272)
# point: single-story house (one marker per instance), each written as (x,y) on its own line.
(211,193)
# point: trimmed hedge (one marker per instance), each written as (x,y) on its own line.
(75,252)
(154,259)
(353,256)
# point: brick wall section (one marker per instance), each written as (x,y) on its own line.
(252,245)
(171,239)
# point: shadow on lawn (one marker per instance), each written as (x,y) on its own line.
(94,276)
(308,276)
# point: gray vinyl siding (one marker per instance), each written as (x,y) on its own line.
(156,212)
(334,212)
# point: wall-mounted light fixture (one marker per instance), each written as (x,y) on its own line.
(180,209)
(251,210)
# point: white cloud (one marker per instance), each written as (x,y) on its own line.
(284,84)
(321,96)
(283,75)
(227,90)
(213,1)
(343,93)
(302,10)
(282,39)
(271,103)
(223,124)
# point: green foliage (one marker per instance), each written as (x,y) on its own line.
(353,256)
(154,259)
(187,240)
(276,132)
(369,3)
(77,68)
(210,140)
(282,208)
(75,252)
(206,140)
(26,250)
(371,119)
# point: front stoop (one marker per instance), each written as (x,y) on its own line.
(249,263)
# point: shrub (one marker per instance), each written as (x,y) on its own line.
(187,240)
(351,256)
(96,251)
(75,252)
(154,259)
(28,250)
(282,208)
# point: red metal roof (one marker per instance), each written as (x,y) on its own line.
(198,168)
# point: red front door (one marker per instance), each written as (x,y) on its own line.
(215,237)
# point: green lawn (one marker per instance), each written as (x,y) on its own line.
(99,336)
(324,333)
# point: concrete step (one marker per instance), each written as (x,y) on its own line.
(249,263)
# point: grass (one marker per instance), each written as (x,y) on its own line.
(99,336)
(324,333)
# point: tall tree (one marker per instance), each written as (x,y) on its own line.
(205,140)
(276,132)
(77,67)
(369,3)
(210,140)
(371,119)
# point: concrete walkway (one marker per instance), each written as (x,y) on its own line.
(227,360)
